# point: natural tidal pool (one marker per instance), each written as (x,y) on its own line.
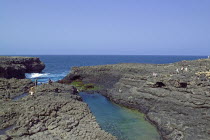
(125,124)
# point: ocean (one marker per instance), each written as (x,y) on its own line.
(58,66)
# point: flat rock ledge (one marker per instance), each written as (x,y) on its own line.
(175,97)
(55,112)
(16,67)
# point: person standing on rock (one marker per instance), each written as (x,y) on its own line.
(182,69)
(36,82)
(6,95)
(32,91)
(154,74)
(177,71)
(185,69)
(49,81)
(8,92)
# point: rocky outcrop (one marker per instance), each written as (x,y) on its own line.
(11,88)
(54,112)
(16,67)
(176,101)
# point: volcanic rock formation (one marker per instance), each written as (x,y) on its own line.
(176,101)
(16,67)
(55,112)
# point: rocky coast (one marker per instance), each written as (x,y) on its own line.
(55,111)
(16,67)
(174,97)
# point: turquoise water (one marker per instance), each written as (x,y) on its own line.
(124,123)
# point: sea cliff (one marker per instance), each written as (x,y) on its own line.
(175,97)
(16,67)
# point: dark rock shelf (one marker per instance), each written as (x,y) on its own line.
(16,67)
(177,102)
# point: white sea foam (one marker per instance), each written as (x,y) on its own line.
(36,75)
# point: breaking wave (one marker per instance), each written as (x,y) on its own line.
(36,75)
(44,77)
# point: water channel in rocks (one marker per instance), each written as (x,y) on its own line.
(125,124)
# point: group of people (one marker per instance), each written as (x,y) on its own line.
(32,89)
(154,74)
(182,69)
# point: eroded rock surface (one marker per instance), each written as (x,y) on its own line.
(176,101)
(54,112)
(11,88)
(16,67)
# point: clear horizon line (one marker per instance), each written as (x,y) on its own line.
(107,54)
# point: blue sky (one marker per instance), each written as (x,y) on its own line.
(123,27)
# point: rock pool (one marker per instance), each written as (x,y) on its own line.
(126,124)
